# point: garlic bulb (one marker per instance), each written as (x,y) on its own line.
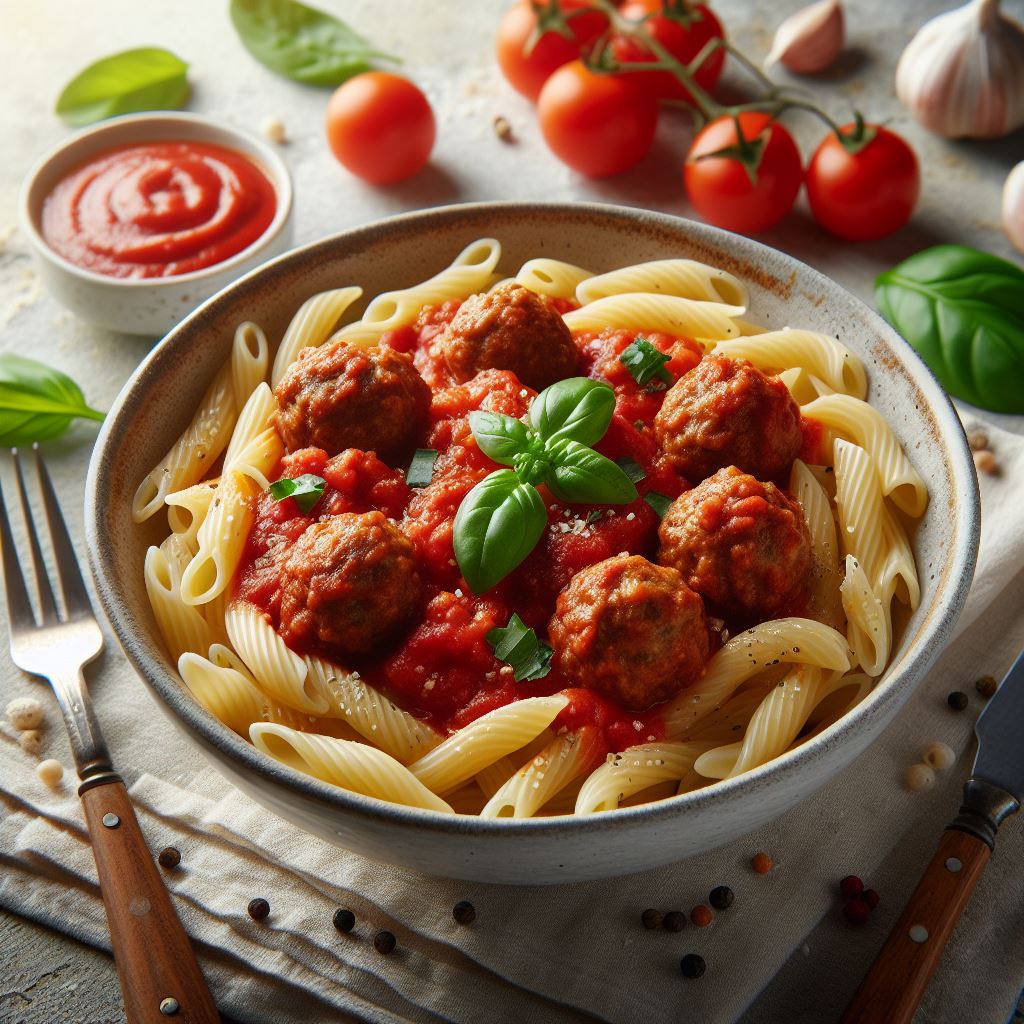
(1013,206)
(962,75)
(811,39)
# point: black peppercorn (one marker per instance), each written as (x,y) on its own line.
(344,920)
(674,921)
(651,919)
(464,912)
(721,897)
(692,965)
(169,857)
(384,942)
(957,700)
(258,908)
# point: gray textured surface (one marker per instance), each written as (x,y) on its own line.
(46,978)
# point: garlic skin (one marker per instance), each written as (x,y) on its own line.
(962,75)
(811,39)
(1013,207)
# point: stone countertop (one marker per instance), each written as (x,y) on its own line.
(447,48)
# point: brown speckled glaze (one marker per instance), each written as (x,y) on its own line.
(159,399)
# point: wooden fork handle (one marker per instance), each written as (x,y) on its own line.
(160,978)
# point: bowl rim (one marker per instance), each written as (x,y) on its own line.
(883,700)
(234,138)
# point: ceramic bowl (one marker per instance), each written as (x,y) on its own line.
(158,401)
(149,306)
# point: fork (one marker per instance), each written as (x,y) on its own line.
(156,966)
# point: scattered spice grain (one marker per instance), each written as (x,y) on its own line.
(651,919)
(674,921)
(957,700)
(870,897)
(918,777)
(986,686)
(978,440)
(856,911)
(721,897)
(692,965)
(258,909)
(503,129)
(384,942)
(762,863)
(851,886)
(464,912)
(50,772)
(986,462)
(701,916)
(938,756)
(344,920)
(31,741)
(169,857)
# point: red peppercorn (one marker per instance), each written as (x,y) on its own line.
(851,886)
(762,863)
(870,897)
(701,916)
(856,911)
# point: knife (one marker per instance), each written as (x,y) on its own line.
(894,985)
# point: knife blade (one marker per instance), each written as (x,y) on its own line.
(1000,733)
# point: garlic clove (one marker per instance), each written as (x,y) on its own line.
(811,39)
(1013,206)
(962,75)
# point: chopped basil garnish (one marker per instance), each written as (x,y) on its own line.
(659,502)
(518,646)
(631,468)
(307,490)
(593,515)
(646,365)
(421,469)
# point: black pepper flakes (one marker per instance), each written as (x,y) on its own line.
(957,700)
(651,919)
(674,921)
(344,920)
(259,909)
(986,686)
(464,912)
(692,965)
(384,942)
(721,897)
(169,858)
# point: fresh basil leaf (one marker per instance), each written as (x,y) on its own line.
(497,525)
(659,502)
(421,469)
(963,311)
(631,468)
(300,42)
(500,437)
(37,403)
(145,79)
(575,409)
(583,475)
(646,364)
(594,515)
(307,490)
(518,646)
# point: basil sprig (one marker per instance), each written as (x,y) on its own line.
(307,490)
(518,646)
(963,311)
(646,365)
(501,519)
(37,402)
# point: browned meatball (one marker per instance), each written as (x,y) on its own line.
(513,329)
(348,584)
(630,629)
(726,412)
(338,396)
(740,543)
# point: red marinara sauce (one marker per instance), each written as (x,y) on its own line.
(158,209)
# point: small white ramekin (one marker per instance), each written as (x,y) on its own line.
(150,306)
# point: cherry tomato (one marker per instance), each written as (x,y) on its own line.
(380,126)
(597,124)
(720,187)
(527,72)
(863,195)
(684,40)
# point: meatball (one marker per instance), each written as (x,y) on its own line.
(726,412)
(630,629)
(338,396)
(349,583)
(513,329)
(740,543)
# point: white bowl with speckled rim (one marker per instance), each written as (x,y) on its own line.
(159,399)
(152,305)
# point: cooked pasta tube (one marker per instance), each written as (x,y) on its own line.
(311,326)
(690,318)
(554,278)
(187,509)
(182,627)
(250,355)
(687,279)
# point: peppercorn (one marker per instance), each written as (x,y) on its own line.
(384,942)
(762,863)
(721,897)
(169,857)
(957,700)
(870,897)
(692,965)
(851,886)
(986,686)
(674,921)
(856,911)
(258,908)
(918,776)
(464,912)
(651,919)
(344,920)
(701,916)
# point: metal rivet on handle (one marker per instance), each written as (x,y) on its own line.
(953,865)
(169,1007)
(919,933)
(111,820)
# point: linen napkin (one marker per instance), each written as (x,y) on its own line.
(563,953)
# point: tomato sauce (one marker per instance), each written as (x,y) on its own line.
(158,209)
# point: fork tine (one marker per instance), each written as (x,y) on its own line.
(19,608)
(44,592)
(69,575)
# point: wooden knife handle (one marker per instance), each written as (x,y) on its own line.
(160,979)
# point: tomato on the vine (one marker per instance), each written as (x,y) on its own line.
(683,33)
(599,124)
(867,193)
(744,187)
(528,67)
